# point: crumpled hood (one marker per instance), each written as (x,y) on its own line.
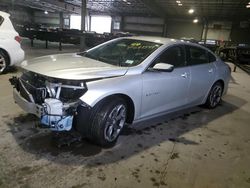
(72,66)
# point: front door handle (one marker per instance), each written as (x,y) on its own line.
(210,70)
(184,75)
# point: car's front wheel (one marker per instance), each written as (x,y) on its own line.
(4,61)
(106,122)
(214,96)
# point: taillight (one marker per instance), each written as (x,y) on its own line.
(18,38)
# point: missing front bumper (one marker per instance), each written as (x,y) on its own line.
(27,106)
(53,122)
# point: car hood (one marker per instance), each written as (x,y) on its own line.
(73,67)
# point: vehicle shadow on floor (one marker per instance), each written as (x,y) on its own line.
(134,140)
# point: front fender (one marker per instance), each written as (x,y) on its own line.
(130,86)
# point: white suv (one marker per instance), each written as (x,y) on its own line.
(10,49)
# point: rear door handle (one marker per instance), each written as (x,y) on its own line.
(210,70)
(184,75)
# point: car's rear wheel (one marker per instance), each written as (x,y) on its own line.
(4,61)
(214,96)
(106,122)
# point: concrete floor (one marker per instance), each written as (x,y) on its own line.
(198,148)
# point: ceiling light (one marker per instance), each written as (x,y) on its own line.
(248,6)
(124,0)
(179,4)
(128,3)
(191,11)
(46,12)
(195,20)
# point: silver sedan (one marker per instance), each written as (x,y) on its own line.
(122,81)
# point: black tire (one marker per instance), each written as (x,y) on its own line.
(4,62)
(100,126)
(214,96)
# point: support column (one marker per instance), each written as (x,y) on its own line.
(32,16)
(164,34)
(90,21)
(61,26)
(83,15)
(112,24)
(122,24)
(31,33)
(61,20)
(206,30)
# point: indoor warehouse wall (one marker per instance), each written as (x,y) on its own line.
(218,30)
(236,32)
(183,29)
(17,14)
(143,25)
(240,32)
(48,20)
(51,19)
(21,15)
(158,27)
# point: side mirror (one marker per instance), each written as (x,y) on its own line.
(163,67)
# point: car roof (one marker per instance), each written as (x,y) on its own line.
(4,14)
(160,40)
(167,41)
(163,40)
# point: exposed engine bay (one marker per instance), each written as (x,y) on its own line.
(55,100)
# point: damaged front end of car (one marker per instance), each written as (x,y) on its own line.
(53,100)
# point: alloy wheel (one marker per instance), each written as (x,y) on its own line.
(2,63)
(215,96)
(115,122)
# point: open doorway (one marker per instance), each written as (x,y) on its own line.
(75,22)
(101,24)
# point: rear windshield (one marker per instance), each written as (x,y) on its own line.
(1,20)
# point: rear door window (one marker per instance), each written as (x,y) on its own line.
(196,55)
(211,57)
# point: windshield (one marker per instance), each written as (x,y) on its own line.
(124,52)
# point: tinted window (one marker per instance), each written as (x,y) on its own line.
(174,56)
(1,20)
(196,55)
(211,57)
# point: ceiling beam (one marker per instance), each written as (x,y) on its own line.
(64,6)
(54,6)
